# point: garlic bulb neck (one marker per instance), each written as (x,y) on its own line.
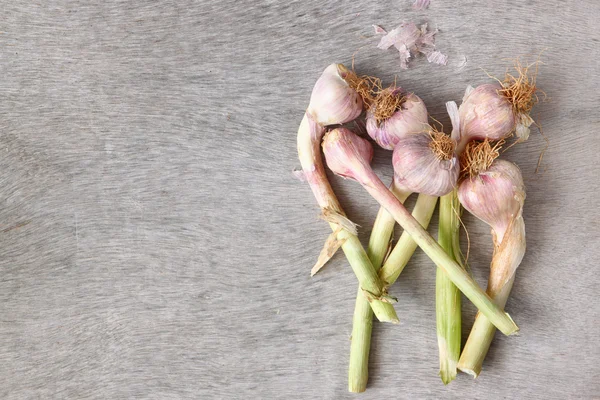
(347,154)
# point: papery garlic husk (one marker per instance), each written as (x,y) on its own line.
(347,154)
(333,101)
(419,169)
(485,113)
(410,118)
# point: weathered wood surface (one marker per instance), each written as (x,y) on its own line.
(155,245)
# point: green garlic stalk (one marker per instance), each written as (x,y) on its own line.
(392,115)
(362,322)
(447,295)
(348,155)
(406,246)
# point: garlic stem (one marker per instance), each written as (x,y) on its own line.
(362,322)
(360,345)
(406,246)
(358,373)
(447,295)
(383,229)
(461,279)
(481,336)
(309,143)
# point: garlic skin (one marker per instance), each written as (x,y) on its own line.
(410,118)
(495,196)
(418,169)
(332,100)
(485,113)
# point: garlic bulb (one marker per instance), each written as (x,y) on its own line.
(495,111)
(347,154)
(333,101)
(425,163)
(495,196)
(485,113)
(410,118)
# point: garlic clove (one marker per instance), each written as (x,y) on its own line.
(332,100)
(410,118)
(347,154)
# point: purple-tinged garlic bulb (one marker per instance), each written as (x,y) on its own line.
(408,116)
(495,196)
(333,101)
(426,163)
(485,114)
(495,111)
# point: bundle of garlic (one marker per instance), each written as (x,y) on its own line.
(349,155)
(460,168)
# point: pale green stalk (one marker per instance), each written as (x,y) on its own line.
(309,153)
(383,228)
(447,295)
(457,274)
(406,246)
(481,336)
(362,322)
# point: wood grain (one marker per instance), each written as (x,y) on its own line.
(160,246)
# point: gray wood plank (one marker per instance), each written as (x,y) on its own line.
(155,245)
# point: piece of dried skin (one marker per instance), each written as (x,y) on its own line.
(405,34)
(420,4)
(340,220)
(379,30)
(410,40)
(384,297)
(437,57)
(299,174)
(331,246)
